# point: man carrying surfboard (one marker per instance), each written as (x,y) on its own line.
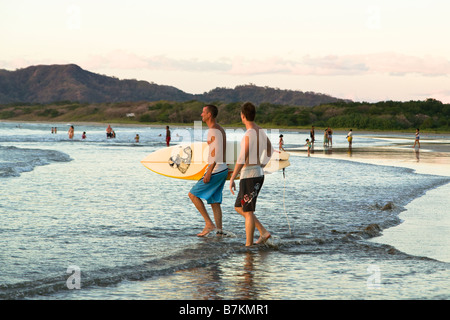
(210,186)
(256,151)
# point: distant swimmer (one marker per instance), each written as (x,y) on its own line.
(136,138)
(83,136)
(109,132)
(71,132)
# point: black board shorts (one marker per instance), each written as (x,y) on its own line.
(248,193)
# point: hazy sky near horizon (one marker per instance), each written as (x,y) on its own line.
(361,50)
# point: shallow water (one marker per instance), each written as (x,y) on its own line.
(131,233)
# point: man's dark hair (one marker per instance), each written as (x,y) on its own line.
(249,111)
(213,110)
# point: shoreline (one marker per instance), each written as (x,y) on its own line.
(408,133)
(424,228)
(433,157)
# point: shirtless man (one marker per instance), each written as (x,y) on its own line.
(256,151)
(109,132)
(210,186)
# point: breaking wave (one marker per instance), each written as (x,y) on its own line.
(14,161)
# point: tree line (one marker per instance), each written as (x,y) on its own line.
(385,115)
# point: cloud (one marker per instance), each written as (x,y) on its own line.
(120,59)
(401,64)
(332,65)
(385,63)
(441,95)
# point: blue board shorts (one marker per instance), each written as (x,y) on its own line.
(211,191)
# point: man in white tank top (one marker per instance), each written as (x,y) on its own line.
(210,186)
(256,151)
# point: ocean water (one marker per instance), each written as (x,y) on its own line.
(83,219)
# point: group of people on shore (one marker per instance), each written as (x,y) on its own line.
(328,139)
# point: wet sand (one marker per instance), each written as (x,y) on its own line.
(425,227)
(433,156)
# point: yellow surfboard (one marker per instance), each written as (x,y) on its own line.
(189,161)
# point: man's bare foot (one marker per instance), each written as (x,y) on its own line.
(263,238)
(205,232)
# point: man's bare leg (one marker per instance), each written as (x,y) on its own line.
(217,210)
(251,221)
(209,225)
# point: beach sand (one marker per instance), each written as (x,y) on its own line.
(425,227)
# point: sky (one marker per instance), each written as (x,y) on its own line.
(360,50)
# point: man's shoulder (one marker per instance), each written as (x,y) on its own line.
(217,127)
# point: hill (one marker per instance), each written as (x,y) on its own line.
(50,83)
(260,95)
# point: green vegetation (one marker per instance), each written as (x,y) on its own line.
(430,114)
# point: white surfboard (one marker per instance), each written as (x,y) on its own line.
(189,161)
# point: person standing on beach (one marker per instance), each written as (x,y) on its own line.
(350,138)
(417,140)
(71,132)
(281,143)
(210,186)
(330,136)
(167,135)
(312,135)
(308,144)
(250,164)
